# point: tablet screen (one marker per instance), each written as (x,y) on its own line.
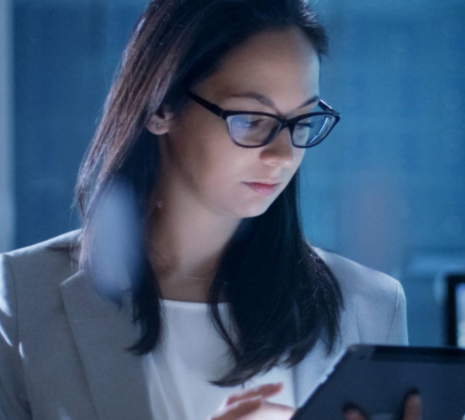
(377,378)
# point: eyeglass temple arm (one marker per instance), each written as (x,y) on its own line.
(211,107)
(326,107)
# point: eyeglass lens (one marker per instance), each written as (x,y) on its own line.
(255,130)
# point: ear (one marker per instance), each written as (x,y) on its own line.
(159,123)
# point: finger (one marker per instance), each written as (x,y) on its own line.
(255,409)
(273,411)
(413,407)
(263,391)
(239,410)
(352,412)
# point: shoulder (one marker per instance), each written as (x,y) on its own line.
(65,241)
(34,272)
(360,281)
(30,278)
(46,255)
(374,302)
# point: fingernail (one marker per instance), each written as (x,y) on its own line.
(350,406)
(412,391)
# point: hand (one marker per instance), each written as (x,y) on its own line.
(253,405)
(411,409)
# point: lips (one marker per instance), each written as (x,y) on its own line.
(261,188)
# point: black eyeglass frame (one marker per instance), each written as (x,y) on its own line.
(284,122)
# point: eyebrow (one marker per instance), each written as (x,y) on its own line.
(268,102)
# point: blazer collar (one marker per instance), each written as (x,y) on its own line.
(103,331)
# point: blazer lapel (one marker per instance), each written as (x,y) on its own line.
(318,364)
(103,331)
(309,373)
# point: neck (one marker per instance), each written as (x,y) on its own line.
(186,247)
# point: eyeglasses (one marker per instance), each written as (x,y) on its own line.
(257,129)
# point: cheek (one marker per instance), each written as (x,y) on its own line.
(223,165)
(298,158)
(207,157)
(300,154)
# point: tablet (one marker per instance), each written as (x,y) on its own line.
(376,378)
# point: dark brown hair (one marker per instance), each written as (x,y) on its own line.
(283,297)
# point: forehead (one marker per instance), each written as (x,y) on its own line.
(280,64)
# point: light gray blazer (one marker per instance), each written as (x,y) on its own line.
(62,347)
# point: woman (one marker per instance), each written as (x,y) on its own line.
(203,131)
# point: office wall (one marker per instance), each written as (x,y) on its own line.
(387,189)
(6,127)
(396,162)
(66,53)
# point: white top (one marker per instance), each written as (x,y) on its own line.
(191,354)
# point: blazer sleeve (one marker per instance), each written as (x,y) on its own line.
(13,395)
(397,333)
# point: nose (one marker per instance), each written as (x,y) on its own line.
(280,152)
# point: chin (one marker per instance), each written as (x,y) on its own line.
(254,210)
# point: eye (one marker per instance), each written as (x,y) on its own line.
(304,125)
(247,121)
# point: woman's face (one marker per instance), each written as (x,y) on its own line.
(274,72)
